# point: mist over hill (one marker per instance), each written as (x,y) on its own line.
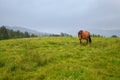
(30,31)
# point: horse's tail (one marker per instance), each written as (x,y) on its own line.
(90,39)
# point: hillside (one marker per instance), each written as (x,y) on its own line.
(59,58)
(30,31)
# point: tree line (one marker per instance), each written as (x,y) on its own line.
(95,35)
(11,34)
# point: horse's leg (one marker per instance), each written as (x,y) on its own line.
(80,41)
(87,41)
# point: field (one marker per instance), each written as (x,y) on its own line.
(59,58)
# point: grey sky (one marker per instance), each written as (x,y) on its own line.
(55,16)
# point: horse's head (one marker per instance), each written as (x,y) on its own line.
(80,32)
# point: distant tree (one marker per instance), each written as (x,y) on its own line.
(55,35)
(95,35)
(114,36)
(65,34)
(33,35)
(3,33)
(11,34)
(27,34)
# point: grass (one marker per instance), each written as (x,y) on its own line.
(59,58)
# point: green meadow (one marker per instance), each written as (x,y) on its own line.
(59,58)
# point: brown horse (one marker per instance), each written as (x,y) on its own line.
(84,35)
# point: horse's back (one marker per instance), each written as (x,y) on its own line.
(85,34)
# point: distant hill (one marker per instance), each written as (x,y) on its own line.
(107,33)
(30,31)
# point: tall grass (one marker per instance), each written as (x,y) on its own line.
(59,58)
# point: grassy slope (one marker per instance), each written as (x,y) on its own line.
(61,58)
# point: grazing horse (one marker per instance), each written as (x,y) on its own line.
(84,35)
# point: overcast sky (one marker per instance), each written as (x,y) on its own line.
(55,16)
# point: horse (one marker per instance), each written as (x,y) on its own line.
(84,35)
